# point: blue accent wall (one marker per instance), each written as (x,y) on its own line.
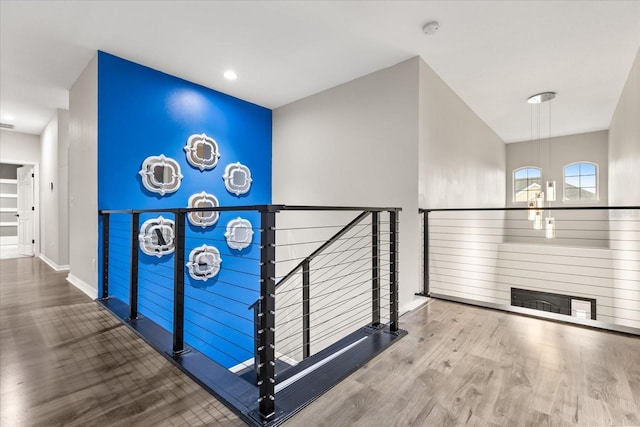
(143,112)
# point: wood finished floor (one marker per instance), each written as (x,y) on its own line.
(65,361)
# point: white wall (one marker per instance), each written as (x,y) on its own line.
(624,143)
(356,145)
(63,186)
(462,161)
(83,181)
(624,190)
(589,147)
(19,148)
(54,201)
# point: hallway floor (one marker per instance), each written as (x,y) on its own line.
(65,361)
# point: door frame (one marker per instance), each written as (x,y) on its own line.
(36,199)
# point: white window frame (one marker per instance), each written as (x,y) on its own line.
(513,182)
(564,182)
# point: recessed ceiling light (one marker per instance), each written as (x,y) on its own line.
(230,75)
(8,117)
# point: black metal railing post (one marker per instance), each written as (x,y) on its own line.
(105,256)
(425,260)
(375,268)
(393,277)
(133,278)
(425,253)
(178,284)
(306,308)
(256,340)
(266,329)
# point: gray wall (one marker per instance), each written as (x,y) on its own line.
(54,222)
(356,145)
(19,148)
(397,137)
(624,143)
(590,147)
(83,181)
(462,161)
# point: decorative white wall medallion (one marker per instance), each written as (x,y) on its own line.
(206,218)
(237,178)
(239,233)
(202,152)
(157,236)
(204,262)
(160,174)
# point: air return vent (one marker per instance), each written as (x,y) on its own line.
(6,126)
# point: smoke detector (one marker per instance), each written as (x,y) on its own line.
(431,27)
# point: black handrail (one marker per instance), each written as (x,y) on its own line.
(260,208)
(324,246)
(550,208)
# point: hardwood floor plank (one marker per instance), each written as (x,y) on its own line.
(65,361)
(462,365)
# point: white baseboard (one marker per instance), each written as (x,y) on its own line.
(83,286)
(412,305)
(52,264)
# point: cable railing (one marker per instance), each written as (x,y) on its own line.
(260,304)
(578,264)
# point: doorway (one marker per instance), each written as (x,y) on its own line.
(18,221)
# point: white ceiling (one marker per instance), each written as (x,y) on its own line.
(493,54)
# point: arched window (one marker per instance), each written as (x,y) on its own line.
(581,181)
(526,183)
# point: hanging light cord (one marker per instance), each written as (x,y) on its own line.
(549,156)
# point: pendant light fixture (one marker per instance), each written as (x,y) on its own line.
(536,207)
(550,228)
(551,188)
(537,221)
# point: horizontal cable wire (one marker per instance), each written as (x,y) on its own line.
(226,325)
(351,284)
(309,242)
(587,258)
(215,307)
(332,332)
(234,358)
(357,321)
(318,227)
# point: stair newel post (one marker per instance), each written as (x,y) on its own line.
(267,307)
(133,277)
(105,256)
(375,268)
(393,277)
